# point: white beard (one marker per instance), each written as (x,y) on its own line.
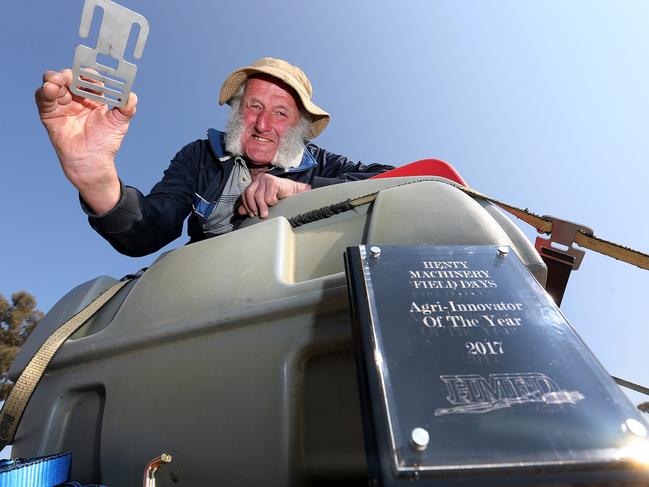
(291,144)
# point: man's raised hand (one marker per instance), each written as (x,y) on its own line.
(86,136)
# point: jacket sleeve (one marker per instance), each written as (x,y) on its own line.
(334,169)
(139,225)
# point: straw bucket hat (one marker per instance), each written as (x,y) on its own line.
(289,74)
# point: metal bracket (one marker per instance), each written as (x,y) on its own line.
(114,33)
(563,233)
(152,467)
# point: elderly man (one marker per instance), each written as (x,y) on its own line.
(262,157)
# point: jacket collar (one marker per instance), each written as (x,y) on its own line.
(218,147)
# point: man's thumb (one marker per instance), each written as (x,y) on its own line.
(125,113)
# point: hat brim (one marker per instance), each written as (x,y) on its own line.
(319,118)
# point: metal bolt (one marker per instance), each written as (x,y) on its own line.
(503,250)
(419,439)
(375,251)
(634,427)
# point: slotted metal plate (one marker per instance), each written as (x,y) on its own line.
(115,82)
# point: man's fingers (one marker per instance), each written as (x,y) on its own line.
(260,199)
(54,90)
(270,196)
(251,201)
(48,92)
(263,193)
(248,198)
(60,78)
(244,209)
(50,95)
(47,75)
(126,112)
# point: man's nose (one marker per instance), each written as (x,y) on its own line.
(262,123)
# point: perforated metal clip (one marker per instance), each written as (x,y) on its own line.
(561,239)
(114,32)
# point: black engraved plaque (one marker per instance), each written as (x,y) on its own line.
(470,374)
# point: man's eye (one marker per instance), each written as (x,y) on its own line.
(282,114)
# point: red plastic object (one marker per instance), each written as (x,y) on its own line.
(425,167)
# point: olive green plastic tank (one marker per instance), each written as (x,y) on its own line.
(234,354)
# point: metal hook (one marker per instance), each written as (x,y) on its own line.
(152,467)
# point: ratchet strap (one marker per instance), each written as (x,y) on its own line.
(14,406)
(41,471)
(583,236)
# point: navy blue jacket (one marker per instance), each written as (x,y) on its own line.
(139,225)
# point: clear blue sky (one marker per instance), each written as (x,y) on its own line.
(541,104)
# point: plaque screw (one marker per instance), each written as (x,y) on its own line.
(419,439)
(375,251)
(634,427)
(503,251)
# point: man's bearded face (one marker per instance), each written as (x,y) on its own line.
(267,127)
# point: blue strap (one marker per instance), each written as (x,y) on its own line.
(77,484)
(43,471)
(216,141)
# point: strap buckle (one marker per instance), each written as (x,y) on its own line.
(561,239)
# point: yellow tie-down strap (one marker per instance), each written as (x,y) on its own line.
(583,238)
(14,406)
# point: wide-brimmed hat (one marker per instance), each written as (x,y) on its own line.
(289,74)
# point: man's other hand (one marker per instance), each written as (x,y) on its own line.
(265,191)
(86,136)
